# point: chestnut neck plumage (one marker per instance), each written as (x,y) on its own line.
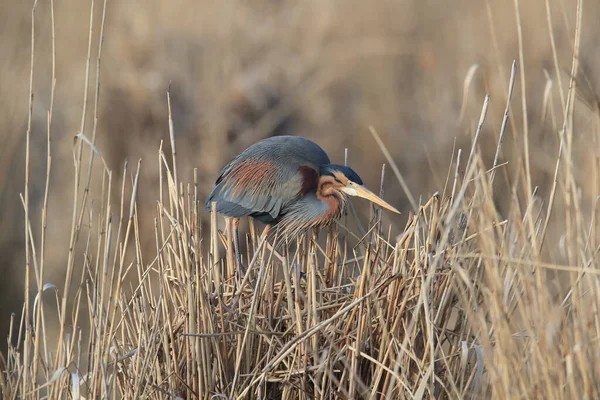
(328,191)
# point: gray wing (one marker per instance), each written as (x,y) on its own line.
(267,177)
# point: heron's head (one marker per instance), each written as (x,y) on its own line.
(349,183)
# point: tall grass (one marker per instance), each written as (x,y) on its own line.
(466,302)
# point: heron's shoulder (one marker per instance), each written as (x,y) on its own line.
(291,150)
(278,160)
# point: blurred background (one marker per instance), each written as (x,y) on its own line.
(240,71)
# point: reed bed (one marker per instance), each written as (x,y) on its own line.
(461,304)
(464,301)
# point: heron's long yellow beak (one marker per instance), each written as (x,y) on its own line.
(361,191)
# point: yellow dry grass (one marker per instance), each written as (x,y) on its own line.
(489,290)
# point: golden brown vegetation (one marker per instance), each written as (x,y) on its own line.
(489,289)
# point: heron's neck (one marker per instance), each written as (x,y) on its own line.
(328,193)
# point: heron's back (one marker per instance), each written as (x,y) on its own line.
(267,177)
